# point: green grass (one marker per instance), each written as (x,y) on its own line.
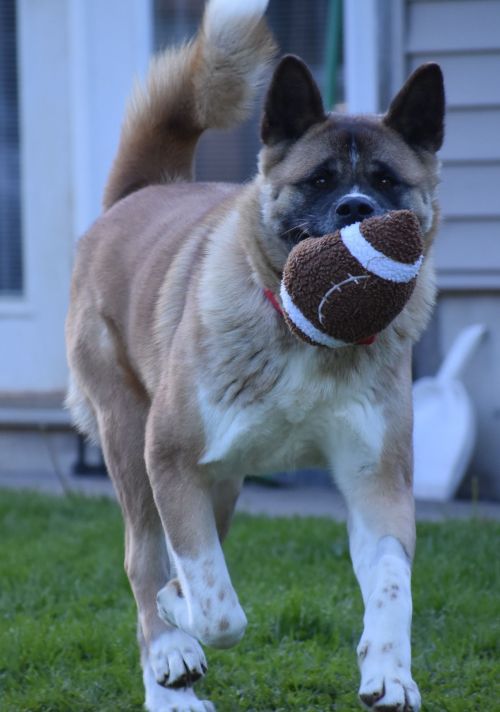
(67,619)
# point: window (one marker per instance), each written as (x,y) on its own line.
(11,270)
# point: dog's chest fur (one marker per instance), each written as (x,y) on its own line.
(301,422)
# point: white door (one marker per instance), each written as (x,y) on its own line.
(76,61)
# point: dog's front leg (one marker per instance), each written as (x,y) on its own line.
(200,600)
(381,555)
(378,493)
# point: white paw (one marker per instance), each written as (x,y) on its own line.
(165,699)
(177,659)
(386,682)
(217,620)
(394,692)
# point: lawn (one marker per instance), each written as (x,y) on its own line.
(67,619)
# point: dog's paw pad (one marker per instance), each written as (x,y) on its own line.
(177,659)
(390,694)
(371,691)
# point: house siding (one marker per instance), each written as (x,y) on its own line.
(463,36)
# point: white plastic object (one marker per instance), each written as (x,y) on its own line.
(444,425)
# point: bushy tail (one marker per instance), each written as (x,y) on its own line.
(207,83)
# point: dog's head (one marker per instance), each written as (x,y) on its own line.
(320,172)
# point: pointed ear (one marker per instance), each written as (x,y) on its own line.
(293,102)
(417,112)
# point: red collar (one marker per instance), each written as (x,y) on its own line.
(270,296)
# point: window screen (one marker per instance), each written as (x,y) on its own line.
(11,272)
(299,27)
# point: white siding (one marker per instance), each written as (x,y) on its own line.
(472,81)
(464,38)
(446,26)
(481,144)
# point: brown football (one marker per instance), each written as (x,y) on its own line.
(346,287)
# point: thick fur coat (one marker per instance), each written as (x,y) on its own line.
(190,379)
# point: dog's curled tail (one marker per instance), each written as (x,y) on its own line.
(207,83)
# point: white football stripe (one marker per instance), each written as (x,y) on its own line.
(302,323)
(373,260)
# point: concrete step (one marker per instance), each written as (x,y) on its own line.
(34,417)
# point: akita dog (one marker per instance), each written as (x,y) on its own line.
(187,374)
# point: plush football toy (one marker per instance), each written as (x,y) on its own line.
(345,287)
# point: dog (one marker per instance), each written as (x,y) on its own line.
(185,371)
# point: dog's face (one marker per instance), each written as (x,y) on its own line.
(321,172)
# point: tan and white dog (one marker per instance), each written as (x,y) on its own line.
(190,378)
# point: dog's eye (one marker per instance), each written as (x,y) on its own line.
(323,180)
(384,180)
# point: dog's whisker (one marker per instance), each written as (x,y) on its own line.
(300,226)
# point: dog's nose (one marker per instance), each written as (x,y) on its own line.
(354,208)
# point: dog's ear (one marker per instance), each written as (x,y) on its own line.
(417,111)
(293,103)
